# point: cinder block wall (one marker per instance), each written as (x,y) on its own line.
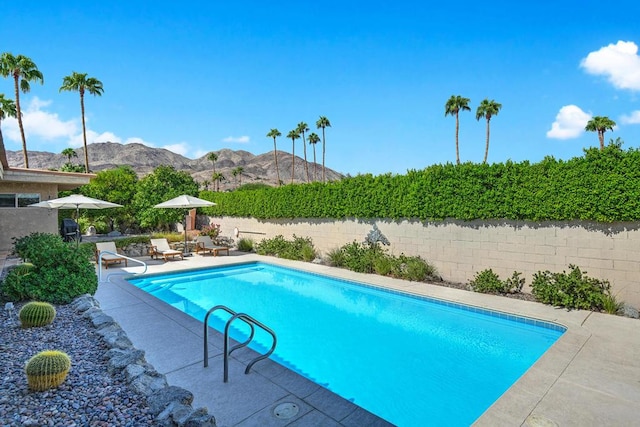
(461,249)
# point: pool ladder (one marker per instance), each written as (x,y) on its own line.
(227,352)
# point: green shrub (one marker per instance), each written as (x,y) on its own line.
(515,283)
(300,248)
(60,272)
(383,265)
(245,245)
(372,258)
(571,290)
(414,268)
(336,257)
(488,282)
(308,253)
(610,304)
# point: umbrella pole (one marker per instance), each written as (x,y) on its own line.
(185,252)
(78,226)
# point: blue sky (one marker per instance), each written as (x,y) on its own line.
(199,76)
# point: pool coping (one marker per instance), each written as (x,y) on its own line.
(539,397)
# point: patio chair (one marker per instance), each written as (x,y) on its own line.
(160,248)
(205,244)
(110,258)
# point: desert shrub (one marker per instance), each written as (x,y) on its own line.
(488,282)
(245,245)
(308,253)
(361,257)
(373,258)
(383,265)
(414,268)
(336,257)
(571,290)
(59,274)
(300,248)
(610,304)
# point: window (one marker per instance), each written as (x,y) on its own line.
(19,200)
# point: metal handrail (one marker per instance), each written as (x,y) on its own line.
(246,318)
(206,332)
(122,256)
(249,321)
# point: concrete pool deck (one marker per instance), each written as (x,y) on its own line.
(589,377)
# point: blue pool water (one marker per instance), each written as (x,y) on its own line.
(412,361)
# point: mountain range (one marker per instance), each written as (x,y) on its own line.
(143,160)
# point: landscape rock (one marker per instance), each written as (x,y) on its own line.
(159,400)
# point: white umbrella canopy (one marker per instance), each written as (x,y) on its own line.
(185,202)
(77,202)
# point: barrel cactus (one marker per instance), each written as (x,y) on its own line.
(34,314)
(47,369)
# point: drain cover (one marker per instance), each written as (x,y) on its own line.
(286,410)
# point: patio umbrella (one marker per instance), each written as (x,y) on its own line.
(77,202)
(185,202)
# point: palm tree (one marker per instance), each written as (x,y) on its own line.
(302,128)
(7,109)
(213,158)
(69,153)
(323,122)
(217,178)
(453,107)
(274,133)
(23,70)
(80,82)
(293,135)
(600,124)
(487,109)
(237,172)
(205,184)
(314,139)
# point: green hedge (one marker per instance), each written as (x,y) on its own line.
(601,186)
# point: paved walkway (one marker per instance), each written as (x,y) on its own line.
(590,377)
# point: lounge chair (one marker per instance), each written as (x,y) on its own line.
(110,258)
(205,244)
(160,248)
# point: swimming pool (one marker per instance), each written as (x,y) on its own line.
(412,361)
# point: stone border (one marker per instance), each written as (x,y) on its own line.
(169,405)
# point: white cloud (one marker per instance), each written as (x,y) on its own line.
(43,125)
(619,62)
(244,139)
(179,148)
(631,119)
(570,123)
(200,153)
(40,123)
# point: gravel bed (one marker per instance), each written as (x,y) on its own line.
(90,396)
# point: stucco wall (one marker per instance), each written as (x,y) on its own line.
(460,249)
(18,222)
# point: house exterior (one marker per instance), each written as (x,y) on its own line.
(20,187)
